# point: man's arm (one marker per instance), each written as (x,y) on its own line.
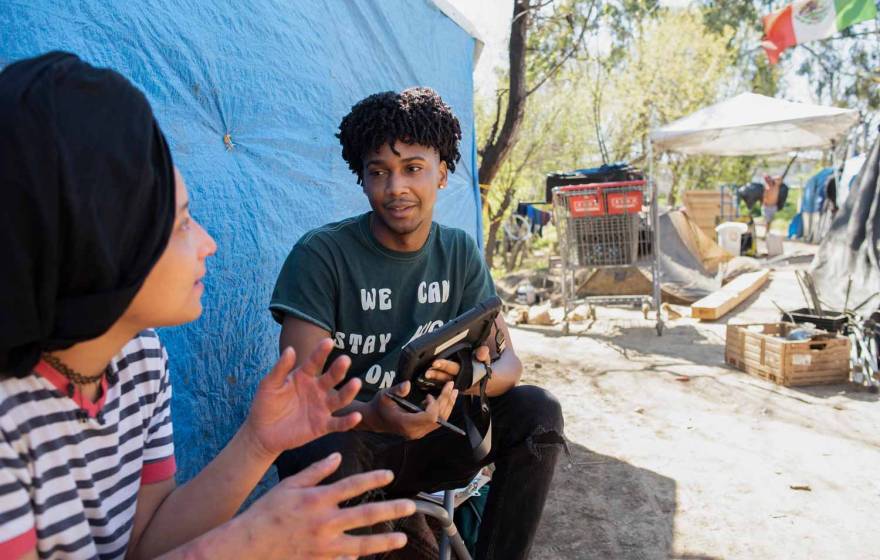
(507,369)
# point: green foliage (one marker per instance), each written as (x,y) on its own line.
(675,67)
(558,29)
(741,22)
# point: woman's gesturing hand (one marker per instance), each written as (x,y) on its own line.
(298,519)
(293,407)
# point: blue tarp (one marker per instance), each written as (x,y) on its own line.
(277,77)
(814,191)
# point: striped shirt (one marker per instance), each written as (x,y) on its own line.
(70,472)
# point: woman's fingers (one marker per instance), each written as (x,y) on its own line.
(314,364)
(345,395)
(314,473)
(365,515)
(344,423)
(277,376)
(336,373)
(355,485)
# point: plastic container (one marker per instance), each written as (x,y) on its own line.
(774,245)
(525,293)
(831,321)
(730,236)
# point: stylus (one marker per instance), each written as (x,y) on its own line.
(415,408)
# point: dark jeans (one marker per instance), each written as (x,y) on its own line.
(527,436)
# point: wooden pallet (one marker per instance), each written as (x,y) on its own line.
(759,350)
(719,303)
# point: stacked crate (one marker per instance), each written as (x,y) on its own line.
(704,208)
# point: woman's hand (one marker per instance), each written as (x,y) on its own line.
(299,519)
(292,408)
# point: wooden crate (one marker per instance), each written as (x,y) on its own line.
(759,350)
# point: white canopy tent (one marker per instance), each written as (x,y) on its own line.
(752,124)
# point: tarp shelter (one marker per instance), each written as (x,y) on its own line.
(851,248)
(752,124)
(851,169)
(273,79)
(814,191)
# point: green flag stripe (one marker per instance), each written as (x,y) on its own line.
(854,11)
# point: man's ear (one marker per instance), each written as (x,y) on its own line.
(444,174)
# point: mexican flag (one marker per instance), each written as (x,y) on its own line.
(808,20)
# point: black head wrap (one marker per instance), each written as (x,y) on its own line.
(86,203)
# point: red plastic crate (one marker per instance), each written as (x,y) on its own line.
(583,205)
(625,202)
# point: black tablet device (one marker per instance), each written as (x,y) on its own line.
(459,336)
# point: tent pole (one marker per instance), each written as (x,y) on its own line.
(655,233)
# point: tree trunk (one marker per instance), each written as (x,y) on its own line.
(497,149)
(495,220)
(494,226)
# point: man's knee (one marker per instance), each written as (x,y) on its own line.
(539,407)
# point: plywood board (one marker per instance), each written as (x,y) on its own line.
(704,208)
(719,303)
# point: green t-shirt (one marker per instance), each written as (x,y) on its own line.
(373,300)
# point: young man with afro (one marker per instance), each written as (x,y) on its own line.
(375,281)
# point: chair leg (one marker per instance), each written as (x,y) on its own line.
(449,505)
(450,533)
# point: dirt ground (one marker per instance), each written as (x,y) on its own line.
(675,455)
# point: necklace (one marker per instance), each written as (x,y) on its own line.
(70,374)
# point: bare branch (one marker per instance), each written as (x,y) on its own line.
(493,133)
(576,46)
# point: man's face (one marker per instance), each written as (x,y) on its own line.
(402,188)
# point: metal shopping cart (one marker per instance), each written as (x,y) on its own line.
(608,225)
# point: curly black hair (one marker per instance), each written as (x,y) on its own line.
(414,116)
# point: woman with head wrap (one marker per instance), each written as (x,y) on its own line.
(97,247)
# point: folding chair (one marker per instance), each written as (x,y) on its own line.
(450,540)
(428,504)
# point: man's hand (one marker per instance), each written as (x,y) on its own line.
(298,519)
(447,370)
(412,425)
(292,408)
